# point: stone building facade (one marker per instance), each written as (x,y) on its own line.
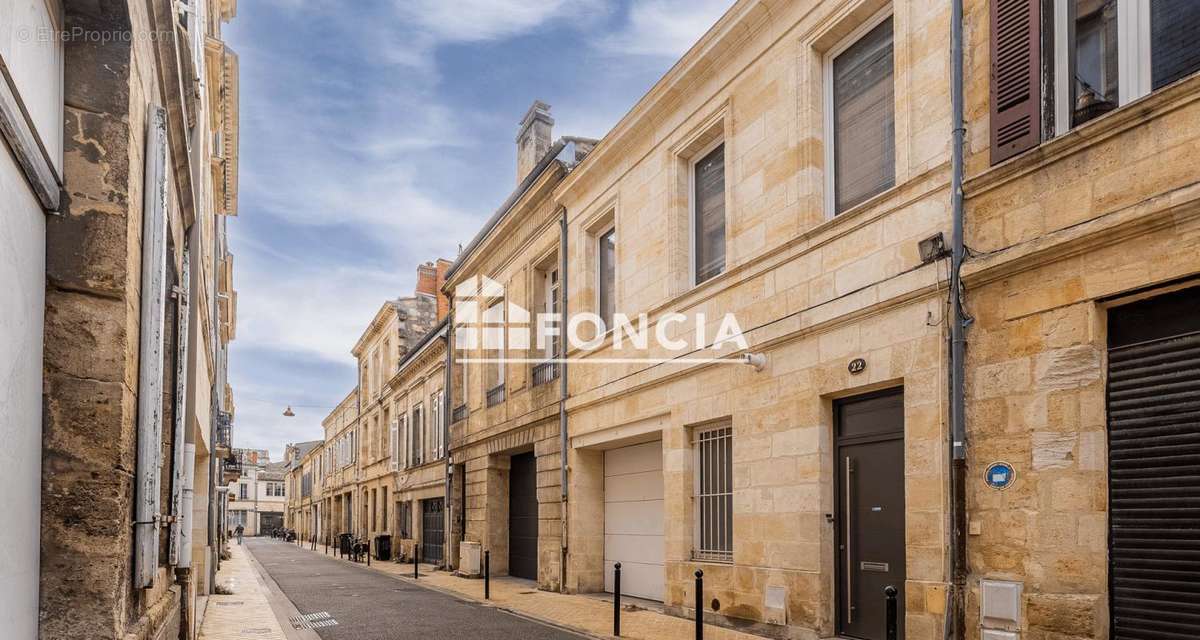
(304,480)
(125,148)
(794,170)
(341,470)
(505,433)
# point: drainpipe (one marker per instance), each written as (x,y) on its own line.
(958,324)
(447,402)
(562,395)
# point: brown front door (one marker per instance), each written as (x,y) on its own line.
(870,481)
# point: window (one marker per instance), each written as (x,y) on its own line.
(243,491)
(606,276)
(402,438)
(714,494)
(708,214)
(551,288)
(435,424)
(383,504)
(493,339)
(1111,52)
(860,117)
(418,435)
(405,517)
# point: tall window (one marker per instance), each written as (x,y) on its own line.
(493,337)
(402,436)
(714,494)
(405,517)
(606,276)
(550,342)
(243,491)
(708,214)
(418,434)
(862,108)
(435,424)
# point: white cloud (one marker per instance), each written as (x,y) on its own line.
(481,20)
(666,28)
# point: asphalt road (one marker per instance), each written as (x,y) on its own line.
(369,605)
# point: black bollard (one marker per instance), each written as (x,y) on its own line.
(416,562)
(890,628)
(487,575)
(617,599)
(699,604)
(368,554)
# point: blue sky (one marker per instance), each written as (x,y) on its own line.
(379,135)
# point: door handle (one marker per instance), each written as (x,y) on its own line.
(849,564)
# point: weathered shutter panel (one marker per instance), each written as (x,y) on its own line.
(1016,77)
(395,434)
(181,463)
(150,356)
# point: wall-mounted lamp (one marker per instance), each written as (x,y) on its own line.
(756,360)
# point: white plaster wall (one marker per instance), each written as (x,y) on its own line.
(22,303)
(33,54)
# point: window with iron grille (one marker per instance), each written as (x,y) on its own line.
(713,505)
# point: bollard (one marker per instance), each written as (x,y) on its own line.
(368,554)
(617,599)
(416,562)
(487,575)
(699,604)
(890,628)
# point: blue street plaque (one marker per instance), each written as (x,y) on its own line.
(1000,475)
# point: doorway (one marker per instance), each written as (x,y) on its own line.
(869,434)
(523,517)
(433,528)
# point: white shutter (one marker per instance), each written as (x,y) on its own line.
(180,484)
(392,444)
(150,355)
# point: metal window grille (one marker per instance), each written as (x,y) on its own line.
(495,395)
(544,372)
(713,448)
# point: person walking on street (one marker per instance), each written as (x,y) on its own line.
(239,533)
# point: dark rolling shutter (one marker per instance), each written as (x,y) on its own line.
(1154,468)
(1016,77)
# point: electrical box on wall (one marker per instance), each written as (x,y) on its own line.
(1000,605)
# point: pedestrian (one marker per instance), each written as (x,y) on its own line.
(239,530)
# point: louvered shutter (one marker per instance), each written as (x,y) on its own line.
(1154,467)
(150,354)
(1016,77)
(395,434)
(181,463)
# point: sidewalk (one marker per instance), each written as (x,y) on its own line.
(247,612)
(583,613)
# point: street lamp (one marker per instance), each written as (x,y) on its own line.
(288,413)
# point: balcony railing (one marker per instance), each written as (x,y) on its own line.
(544,372)
(495,395)
(224,429)
(459,413)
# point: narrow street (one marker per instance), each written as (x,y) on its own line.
(369,605)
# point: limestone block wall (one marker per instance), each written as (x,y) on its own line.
(1064,232)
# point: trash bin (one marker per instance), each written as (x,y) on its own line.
(383,547)
(344,543)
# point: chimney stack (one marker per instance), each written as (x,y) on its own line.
(430,278)
(534,138)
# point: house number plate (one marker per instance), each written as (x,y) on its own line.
(857,365)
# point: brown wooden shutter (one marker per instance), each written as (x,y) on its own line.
(1016,77)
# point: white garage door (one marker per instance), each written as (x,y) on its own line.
(633,519)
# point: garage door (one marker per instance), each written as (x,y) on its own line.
(633,519)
